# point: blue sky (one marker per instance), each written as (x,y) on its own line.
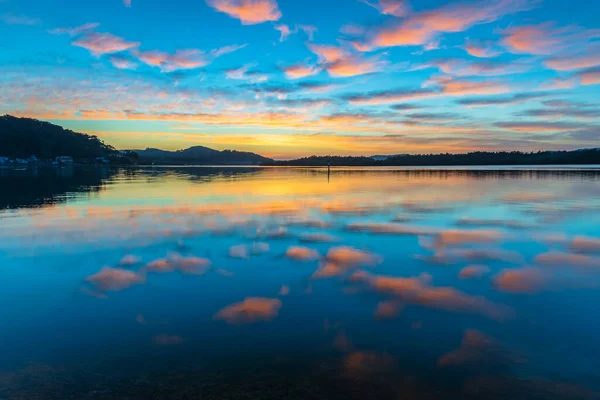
(288,78)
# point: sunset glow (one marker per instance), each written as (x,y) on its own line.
(288,79)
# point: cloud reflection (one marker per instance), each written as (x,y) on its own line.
(251,310)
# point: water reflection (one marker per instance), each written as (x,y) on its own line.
(300,283)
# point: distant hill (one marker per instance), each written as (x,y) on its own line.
(581,156)
(200,155)
(25,137)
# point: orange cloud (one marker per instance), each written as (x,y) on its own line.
(368,363)
(299,253)
(121,62)
(328,53)
(453,237)
(508,223)
(459,67)
(328,270)
(284,291)
(298,71)
(185,265)
(571,63)
(556,258)
(318,238)
(339,260)
(422,28)
(474,272)
(182,59)
(351,257)
(104,43)
(114,279)
(474,349)
(482,49)
(416,290)
(129,260)
(388,309)
(585,244)
(251,310)
(397,8)
(590,76)
(453,255)
(249,12)
(523,280)
(244,251)
(460,87)
(546,38)
(354,66)
(390,228)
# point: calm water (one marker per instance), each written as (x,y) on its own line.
(284,283)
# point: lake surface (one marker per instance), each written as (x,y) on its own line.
(296,283)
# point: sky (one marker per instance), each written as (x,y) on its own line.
(289,78)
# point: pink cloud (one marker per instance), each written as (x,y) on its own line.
(453,237)
(129,260)
(482,49)
(459,67)
(309,30)
(460,87)
(251,310)
(14,19)
(523,280)
(474,272)
(76,30)
(245,251)
(177,263)
(421,28)
(590,76)
(328,53)
(122,62)
(104,43)
(249,12)
(416,290)
(368,363)
(115,279)
(127,3)
(555,258)
(474,349)
(546,38)
(284,291)
(397,8)
(390,228)
(182,59)
(585,244)
(298,71)
(349,256)
(318,238)
(243,73)
(354,66)
(388,309)
(573,63)
(284,30)
(300,253)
